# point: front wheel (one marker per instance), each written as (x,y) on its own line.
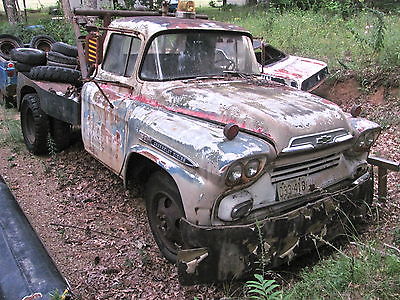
(164,211)
(34,125)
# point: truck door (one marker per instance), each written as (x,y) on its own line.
(107,101)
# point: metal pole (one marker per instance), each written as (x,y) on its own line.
(382,183)
(75,25)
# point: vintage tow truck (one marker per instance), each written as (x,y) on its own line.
(233,165)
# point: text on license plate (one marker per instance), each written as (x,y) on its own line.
(292,188)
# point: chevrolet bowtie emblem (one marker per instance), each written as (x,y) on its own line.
(324,139)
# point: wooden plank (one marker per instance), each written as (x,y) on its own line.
(384,163)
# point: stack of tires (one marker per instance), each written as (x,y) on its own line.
(9,42)
(62,65)
(27,58)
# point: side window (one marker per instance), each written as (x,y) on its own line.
(121,54)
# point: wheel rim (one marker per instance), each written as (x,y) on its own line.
(166,216)
(29,126)
(44,45)
(7,46)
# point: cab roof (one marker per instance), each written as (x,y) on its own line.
(149,25)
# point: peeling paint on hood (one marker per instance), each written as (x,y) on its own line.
(278,113)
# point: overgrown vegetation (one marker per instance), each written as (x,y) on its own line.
(39,23)
(370,273)
(366,39)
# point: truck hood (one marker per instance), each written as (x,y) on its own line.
(276,112)
(294,68)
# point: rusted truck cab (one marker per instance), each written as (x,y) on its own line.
(233,165)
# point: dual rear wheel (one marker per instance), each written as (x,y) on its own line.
(39,130)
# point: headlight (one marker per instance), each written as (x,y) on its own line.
(366,140)
(251,168)
(234,175)
(244,171)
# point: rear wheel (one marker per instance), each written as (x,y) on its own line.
(61,134)
(164,211)
(34,125)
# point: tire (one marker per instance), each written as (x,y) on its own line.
(34,125)
(33,57)
(55,64)
(42,42)
(61,133)
(61,58)
(164,211)
(7,43)
(65,49)
(55,74)
(21,67)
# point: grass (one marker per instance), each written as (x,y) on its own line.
(10,130)
(367,274)
(322,35)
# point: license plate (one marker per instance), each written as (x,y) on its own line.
(292,188)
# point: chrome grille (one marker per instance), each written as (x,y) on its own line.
(305,168)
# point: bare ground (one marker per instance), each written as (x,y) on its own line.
(97,232)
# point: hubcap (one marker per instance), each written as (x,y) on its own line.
(167,216)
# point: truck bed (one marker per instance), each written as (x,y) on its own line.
(59,100)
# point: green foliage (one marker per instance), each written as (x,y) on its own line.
(262,288)
(374,34)
(58,29)
(368,274)
(10,130)
(56,295)
(324,36)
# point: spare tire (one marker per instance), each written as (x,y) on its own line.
(55,74)
(61,58)
(42,42)
(65,49)
(33,57)
(55,64)
(9,42)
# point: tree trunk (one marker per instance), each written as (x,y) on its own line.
(11,11)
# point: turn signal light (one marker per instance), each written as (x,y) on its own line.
(231,131)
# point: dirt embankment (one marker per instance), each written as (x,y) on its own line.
(97,232)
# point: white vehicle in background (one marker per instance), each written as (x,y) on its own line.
(298,72)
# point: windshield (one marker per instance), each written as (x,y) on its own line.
(198,54)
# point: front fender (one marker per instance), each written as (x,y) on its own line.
(195,153)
